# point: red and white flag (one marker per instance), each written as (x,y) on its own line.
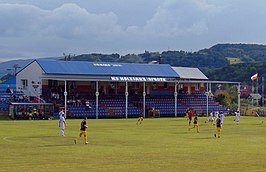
(254,77)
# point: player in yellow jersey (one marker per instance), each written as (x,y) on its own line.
(195,124)
(218,127)
(140,119)
(83,131)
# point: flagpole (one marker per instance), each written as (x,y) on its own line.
(253,78)
(262,91)
(257,91)
(252,92)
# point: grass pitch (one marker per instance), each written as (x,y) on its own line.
(163,144)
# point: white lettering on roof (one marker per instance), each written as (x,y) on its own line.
(106,65)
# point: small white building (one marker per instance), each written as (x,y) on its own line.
(29,79)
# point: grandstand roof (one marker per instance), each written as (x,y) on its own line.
(189,73)
(8,83)
(106,69)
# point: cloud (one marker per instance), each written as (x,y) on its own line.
(27,26)
(175,18)
(176,24)
(38,28)
(67,21)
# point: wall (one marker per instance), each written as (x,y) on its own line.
(32,73)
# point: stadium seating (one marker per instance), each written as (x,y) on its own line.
(114,107)
(110,107)
(6,98)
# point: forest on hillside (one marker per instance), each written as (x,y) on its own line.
(214,57)
(213,62)
(238,72)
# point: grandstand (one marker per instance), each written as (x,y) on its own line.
(115,90)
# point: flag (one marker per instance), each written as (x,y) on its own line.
(254,77)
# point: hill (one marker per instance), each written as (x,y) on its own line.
(237,72)
(8,67)
(217,56)
(219,62)
(230,62)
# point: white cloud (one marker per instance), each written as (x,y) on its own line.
(173,22)
(69,20)
(32,28)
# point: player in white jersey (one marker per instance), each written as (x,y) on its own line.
(210,119)
(62,113)
(216,114)
(62,123)
(237,113)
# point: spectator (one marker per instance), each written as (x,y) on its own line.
(88,106)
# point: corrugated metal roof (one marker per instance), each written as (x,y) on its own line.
(8,83)
(189,73)
(106,69)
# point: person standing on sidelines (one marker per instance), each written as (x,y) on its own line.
(88,106)
(218,127)
(237,113)
(62,123)
(83,131)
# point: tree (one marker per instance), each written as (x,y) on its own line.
(228,97)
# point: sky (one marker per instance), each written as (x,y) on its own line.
(49,28)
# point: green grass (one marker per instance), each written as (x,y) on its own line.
(120,145)
(233,60)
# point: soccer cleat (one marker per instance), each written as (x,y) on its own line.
(218,136)
(75,141)
(214,135)
(86,142)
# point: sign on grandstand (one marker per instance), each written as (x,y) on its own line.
(149,79)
